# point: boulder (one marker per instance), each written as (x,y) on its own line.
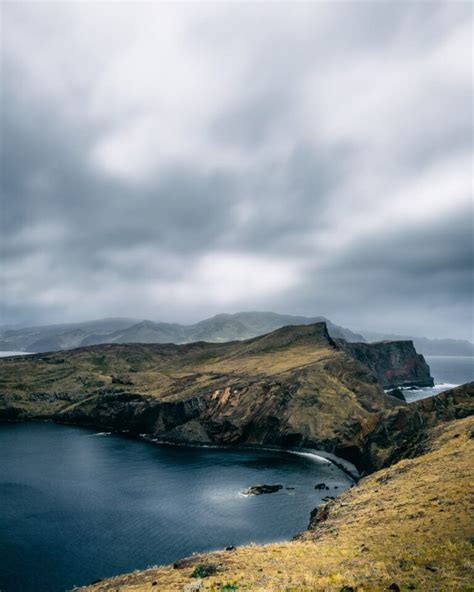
(260,489)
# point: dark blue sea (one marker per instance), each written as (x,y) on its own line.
(77,505)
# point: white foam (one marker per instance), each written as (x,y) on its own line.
(426,392)
(312,456)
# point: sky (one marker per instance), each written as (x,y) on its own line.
(174,161)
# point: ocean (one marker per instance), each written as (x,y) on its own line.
(78,505)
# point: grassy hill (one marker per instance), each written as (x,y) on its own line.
(292,387)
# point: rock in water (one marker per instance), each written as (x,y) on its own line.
(259,489)
(398,394)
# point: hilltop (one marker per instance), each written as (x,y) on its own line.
(219,328)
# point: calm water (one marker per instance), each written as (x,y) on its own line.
(77,506)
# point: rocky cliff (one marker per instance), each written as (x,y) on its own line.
(394,363)
(402,432)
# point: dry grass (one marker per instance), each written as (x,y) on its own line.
(296,374)
(410,524)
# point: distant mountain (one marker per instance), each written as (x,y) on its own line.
(55,337)
(428,347)
(220,328)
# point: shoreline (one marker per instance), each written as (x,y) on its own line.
(347,467)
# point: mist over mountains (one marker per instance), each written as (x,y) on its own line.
(219,328)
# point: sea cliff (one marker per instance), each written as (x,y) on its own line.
(394,363)
(295,387)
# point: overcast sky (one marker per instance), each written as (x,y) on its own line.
(175,161)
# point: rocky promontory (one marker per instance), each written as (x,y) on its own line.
(394,363)
(295,387)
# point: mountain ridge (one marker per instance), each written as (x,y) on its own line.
(219,328)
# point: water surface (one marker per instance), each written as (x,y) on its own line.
(76,506)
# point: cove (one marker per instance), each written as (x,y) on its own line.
(77,505)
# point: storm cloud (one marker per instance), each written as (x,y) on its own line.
(173,161)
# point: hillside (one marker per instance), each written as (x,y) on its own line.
(295,386)
(291,387)
(223,327)
(405,527)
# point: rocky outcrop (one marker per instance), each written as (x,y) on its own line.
(394,363)
(261,489)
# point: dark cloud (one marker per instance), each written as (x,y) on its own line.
(168,163)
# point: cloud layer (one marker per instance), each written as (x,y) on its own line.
(172,161)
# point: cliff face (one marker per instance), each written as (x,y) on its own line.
(394,363)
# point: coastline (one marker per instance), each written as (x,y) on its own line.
(363,500)
(351,542)
(348,468)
